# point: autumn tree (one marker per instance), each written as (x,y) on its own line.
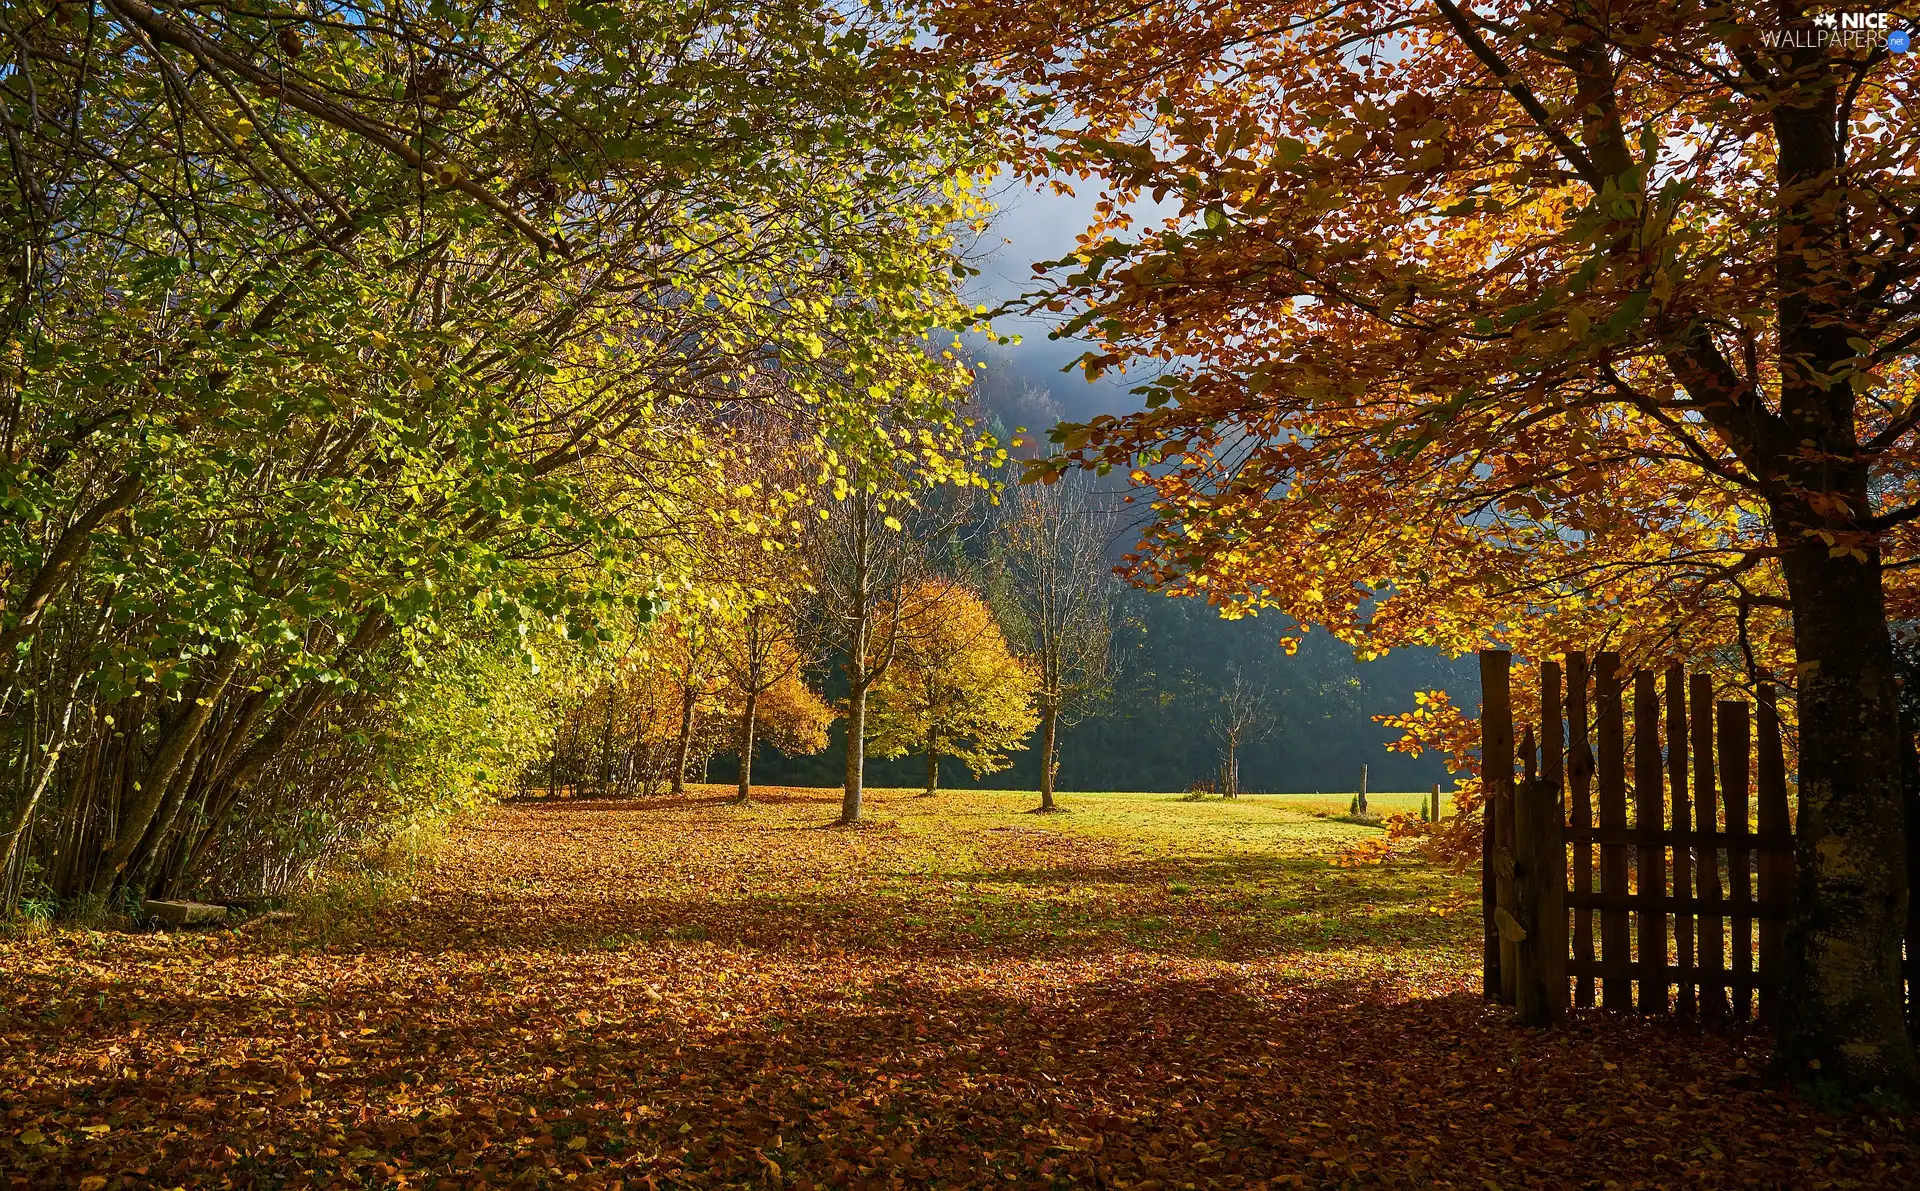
(1055,586)
(871,550)
(789,715)
(954,689)
(690,654)
(1242,716)
(760,656)
(1556,324)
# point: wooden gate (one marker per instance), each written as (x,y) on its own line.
(1693,833)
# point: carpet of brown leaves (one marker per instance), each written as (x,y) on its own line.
(686,994)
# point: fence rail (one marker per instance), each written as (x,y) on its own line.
(1680,852)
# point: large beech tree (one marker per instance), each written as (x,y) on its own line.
(1568,323)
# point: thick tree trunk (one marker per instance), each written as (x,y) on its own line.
(1842,1010)
(933,766)
(688,697)
(745,793)
(856,754)
(1049,737)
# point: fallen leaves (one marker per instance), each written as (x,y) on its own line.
(941,1005)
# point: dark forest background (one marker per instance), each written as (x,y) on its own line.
(1155,730)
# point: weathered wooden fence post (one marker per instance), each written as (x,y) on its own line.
(1616,992)
(1580,807)
(1496,832)
(1709,933)
(1540,884)
(1682,826)
(1734,770)
(1540,870)
(1776,856)
(1650,854)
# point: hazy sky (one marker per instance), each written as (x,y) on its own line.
(1038,225)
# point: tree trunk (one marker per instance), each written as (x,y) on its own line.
(1842,1011)
(688,697)
(856,754)
(746,748)
(49,761)
(606,747)
(1049,736)
(179,737)
(59,567)
(933,766)
(1910,799)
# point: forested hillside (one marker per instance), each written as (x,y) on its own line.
(1156,730)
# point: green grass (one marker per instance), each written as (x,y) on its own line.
(1230,879)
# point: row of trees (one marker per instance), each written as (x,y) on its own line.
(370,373)
(911,601)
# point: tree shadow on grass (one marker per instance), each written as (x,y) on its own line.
(1237,906)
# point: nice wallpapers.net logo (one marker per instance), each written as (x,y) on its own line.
(1842,31)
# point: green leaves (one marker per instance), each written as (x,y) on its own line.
(364,389)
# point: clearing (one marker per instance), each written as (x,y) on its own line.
(1146,993)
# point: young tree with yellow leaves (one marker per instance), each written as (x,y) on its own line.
(954,689)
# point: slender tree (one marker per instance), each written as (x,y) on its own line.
(869,553)
(1243,716)
(759,653)
(1056,589)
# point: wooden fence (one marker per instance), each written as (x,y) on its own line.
(1693,834)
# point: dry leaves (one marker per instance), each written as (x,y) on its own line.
(681,993)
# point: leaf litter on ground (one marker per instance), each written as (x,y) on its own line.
(1145,995)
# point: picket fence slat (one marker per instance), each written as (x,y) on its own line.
(1734,772)
(1776,865)
(1650,863)
(1615,944)
(1709,931)
(1676,682)
(1580,808)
